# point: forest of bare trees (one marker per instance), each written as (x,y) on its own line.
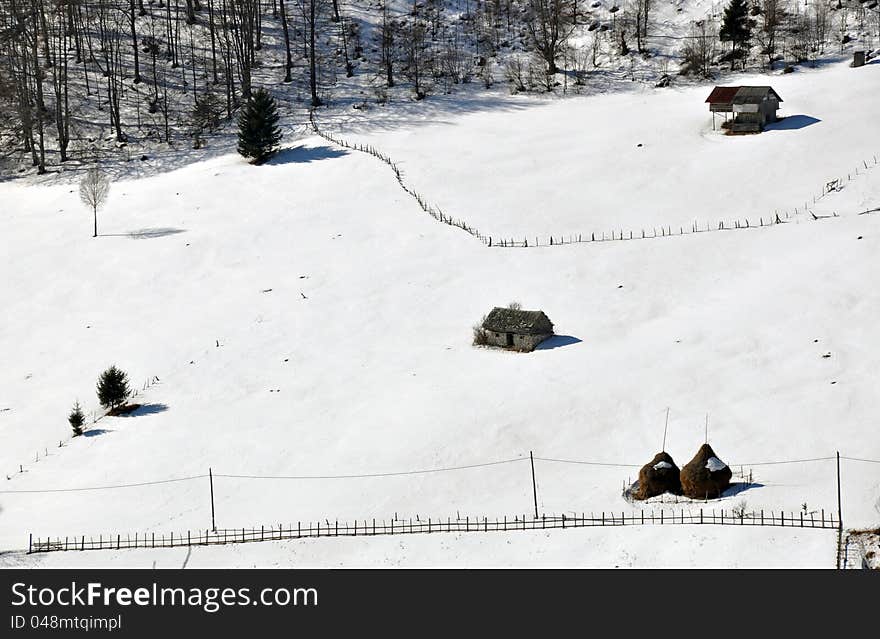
(81,77)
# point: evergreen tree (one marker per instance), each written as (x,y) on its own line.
(113,388)
(76,419)
(258,132)
(736,28)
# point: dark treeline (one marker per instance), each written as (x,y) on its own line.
(156,65)
(79,75)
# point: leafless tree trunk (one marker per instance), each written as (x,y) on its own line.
(93,190)
(549,24)
(288,63)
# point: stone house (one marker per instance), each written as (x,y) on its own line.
(516,329)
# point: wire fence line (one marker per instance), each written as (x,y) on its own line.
(372,475)
(94,415)
(431,210)
(620,234)
(403,473)
(367,528)
(213,536)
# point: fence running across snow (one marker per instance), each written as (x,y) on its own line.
(615,234)
(364,528)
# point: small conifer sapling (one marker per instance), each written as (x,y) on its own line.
(76,420)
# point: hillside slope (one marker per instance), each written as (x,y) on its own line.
(307,318)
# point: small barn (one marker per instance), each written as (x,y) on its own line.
(517,329)
(750,107)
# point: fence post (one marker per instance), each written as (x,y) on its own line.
(839,509)
(211,479)
(31,543)
(701,515)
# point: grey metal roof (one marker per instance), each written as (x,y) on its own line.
(509,320)
(754,95)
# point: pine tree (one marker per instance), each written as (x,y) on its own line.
(258,132)
(113,388)
(736,28)
(76,419)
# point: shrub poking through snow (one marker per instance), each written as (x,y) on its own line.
(113,388)
(481,335)
(76,420)
(705,475)
(658,476)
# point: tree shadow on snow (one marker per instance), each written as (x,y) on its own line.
(95,432)
(146,409)
(305,154)
(557,341)
(145,234)
(791,123)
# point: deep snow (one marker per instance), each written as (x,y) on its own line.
(343,316)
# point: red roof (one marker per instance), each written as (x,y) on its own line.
(722,95)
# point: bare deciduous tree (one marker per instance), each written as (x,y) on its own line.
(549,24)
(93,190)
(772,16)
(700,49)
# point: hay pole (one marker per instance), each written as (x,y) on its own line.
(534,483)
(665,427)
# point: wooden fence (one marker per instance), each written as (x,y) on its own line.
(95,417)
(365,528)
(605,236)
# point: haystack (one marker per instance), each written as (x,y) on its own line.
(705,475)
(658,476)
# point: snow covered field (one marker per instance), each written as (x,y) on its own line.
(677,547)
(343,316)
(632,160)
